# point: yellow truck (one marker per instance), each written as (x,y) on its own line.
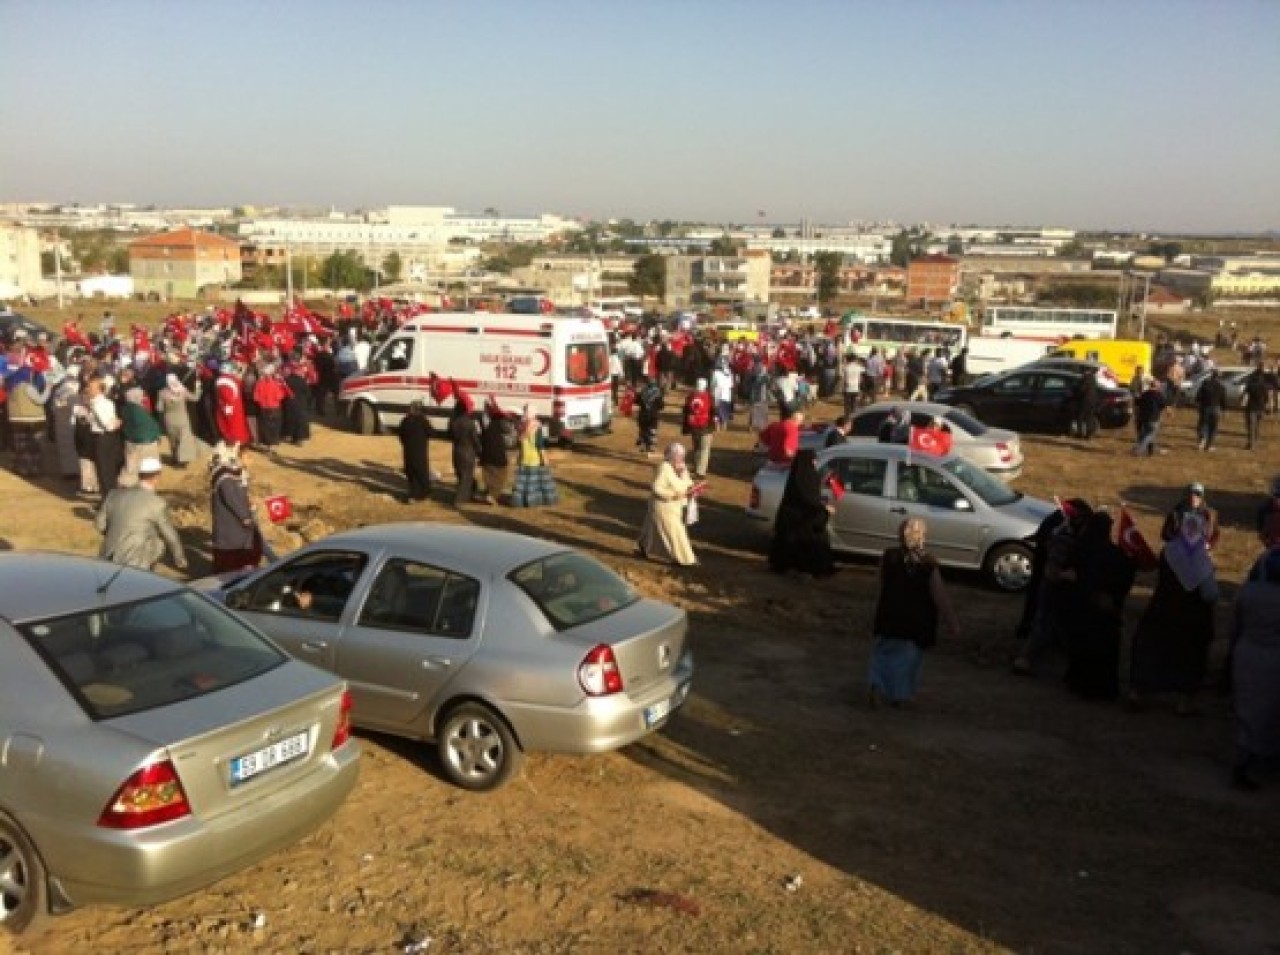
(1123,356)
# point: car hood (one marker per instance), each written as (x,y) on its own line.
(1030,509)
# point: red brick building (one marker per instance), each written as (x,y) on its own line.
(932,279)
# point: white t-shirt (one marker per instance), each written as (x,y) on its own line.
(852,376)
(722,385)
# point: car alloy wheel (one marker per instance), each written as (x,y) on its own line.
(22,880)
(477,749)
(1009,567)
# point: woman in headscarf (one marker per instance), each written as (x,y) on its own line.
(1171,644)
(1256,670)
(237,542)
(63,398)
(912,598)
(1104,576)
(664,532)
(466,450)
(171,403)
(535,486)
(800,527)
(297,404)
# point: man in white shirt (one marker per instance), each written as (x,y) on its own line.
(852,382)
(722,394)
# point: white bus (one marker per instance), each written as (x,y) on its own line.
(865,332)
(1048,324)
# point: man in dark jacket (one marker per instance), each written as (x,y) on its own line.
(1255,405)
(1211,399)
(466,450)
(648,407)
(1085,400)
(415,442)
(495,441)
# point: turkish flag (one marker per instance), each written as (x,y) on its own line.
(278,508)
(836,487)
(934,441)
(440,390)
(1131,541)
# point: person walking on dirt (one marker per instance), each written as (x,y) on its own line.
(1211,399)
(415,444)
(649,404)
(697,423)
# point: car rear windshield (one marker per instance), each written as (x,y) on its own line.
(571,589)
(587,363)
(966,422)
(135,657)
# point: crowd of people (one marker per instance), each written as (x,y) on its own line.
(225,382)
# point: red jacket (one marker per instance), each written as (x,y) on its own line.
(697,412)
(270,393)
(782,438)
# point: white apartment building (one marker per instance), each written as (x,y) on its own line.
(19,261)
(868,248)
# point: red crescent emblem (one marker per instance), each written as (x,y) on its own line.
(927,442)
(546,362)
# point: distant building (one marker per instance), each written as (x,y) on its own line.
(19,260)
(866,248)
(569,280)
(932,279)
(717,279)
(182,264)
(1163,301)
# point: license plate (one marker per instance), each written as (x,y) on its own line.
(653,715)
(245,767)
(579,421)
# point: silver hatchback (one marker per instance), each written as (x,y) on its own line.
(975,521)
(486,642)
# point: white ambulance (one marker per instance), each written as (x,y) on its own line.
(558,365)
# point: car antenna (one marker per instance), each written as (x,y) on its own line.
(106,584)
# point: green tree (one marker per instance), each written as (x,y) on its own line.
(828,266)
(779,233)
(1071,250)
(722,245)
(900,251)
(392,266)
(1166,250)
(343,270)
(514,256)
(118,260)
(955,247)
(48,264)
(649,276)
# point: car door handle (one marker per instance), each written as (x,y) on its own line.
(436,663)
(314,646)
(897,510)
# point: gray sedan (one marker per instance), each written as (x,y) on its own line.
(488,643)
(150,742)
(992,449)
(975,521)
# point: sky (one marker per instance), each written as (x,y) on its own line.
(1156,115)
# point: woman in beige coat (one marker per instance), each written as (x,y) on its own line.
(665,533)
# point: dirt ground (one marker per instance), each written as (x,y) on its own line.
(776,813)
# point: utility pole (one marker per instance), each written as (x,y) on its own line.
(57,265)
(1142,326)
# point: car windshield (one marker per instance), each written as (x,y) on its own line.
(135,657)
(966,422)
(572,589)
(991,490)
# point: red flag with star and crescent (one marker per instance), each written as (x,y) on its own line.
(934,441)
(1130,540)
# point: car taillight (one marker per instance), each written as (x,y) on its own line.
(557,409)
(598,673)
(342,732)
(754,502)
(149,797)
(1002,449)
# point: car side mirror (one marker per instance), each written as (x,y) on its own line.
(962,504)
(237,600)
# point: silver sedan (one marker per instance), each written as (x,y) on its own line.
(488,643)
(975,521)
(993,449)
(150,742)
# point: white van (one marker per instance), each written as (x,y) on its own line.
(987,355)
(558,365)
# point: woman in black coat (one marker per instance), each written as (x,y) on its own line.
(800,526)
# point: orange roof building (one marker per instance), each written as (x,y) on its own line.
(183,263)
